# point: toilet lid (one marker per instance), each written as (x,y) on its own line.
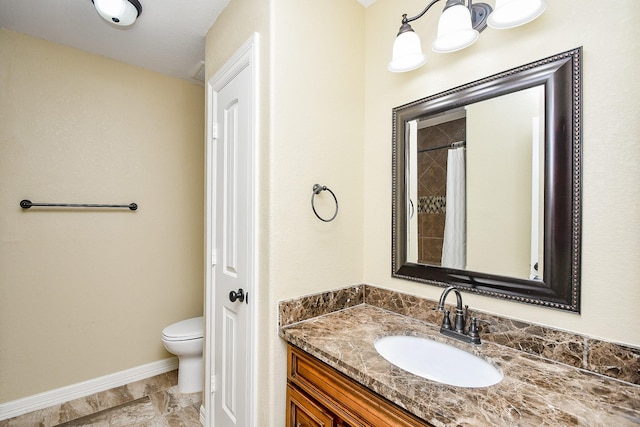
(185,330)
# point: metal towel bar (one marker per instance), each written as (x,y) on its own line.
(26,204)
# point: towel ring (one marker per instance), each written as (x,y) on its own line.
(317,188)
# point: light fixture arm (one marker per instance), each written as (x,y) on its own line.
(406,20)
(459,26)
(479,14)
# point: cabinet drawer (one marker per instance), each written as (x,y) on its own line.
(343,396)
(303,412)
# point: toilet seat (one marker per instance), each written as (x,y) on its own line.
(184,330)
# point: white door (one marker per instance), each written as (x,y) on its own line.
(230,281)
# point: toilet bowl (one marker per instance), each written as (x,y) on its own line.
(185,340)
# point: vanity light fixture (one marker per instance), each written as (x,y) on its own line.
(119,12)
(459,26)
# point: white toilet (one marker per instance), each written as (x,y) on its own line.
(184,339)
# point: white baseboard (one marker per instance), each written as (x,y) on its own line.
(57,396)
(203,418)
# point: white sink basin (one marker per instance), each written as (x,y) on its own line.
(437,361)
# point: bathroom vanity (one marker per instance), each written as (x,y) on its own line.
(337,378)
(318,395)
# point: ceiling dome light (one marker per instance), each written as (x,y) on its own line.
(119,12)
(512,13)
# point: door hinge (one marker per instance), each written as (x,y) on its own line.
(214,131)
(213,383)
(213,257)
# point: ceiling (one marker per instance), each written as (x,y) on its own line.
(168,37)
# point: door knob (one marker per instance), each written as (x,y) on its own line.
(233,295)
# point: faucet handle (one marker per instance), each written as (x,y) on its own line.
(473,328)
(446,321)
(460,321)
(474,334)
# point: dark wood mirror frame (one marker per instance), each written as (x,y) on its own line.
(560,288)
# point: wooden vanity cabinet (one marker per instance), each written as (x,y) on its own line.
(320,396)
(304,412)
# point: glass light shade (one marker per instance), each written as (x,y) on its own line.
(512,13)
(407,53)
(119,12)
(454,30)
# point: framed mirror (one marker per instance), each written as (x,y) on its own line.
(487,185)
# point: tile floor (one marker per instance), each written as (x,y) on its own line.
(163,409)
(154,402)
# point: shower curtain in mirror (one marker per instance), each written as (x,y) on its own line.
(412,214)
(454,247)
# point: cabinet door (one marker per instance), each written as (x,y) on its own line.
(303,412)
(342,397)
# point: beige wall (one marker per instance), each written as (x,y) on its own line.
(87,293)
(317,137)
(611,181)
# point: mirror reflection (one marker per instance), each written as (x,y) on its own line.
(486,185)
(475,186)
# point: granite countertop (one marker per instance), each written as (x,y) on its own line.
(534,392)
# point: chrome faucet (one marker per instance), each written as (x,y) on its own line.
(458,330)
